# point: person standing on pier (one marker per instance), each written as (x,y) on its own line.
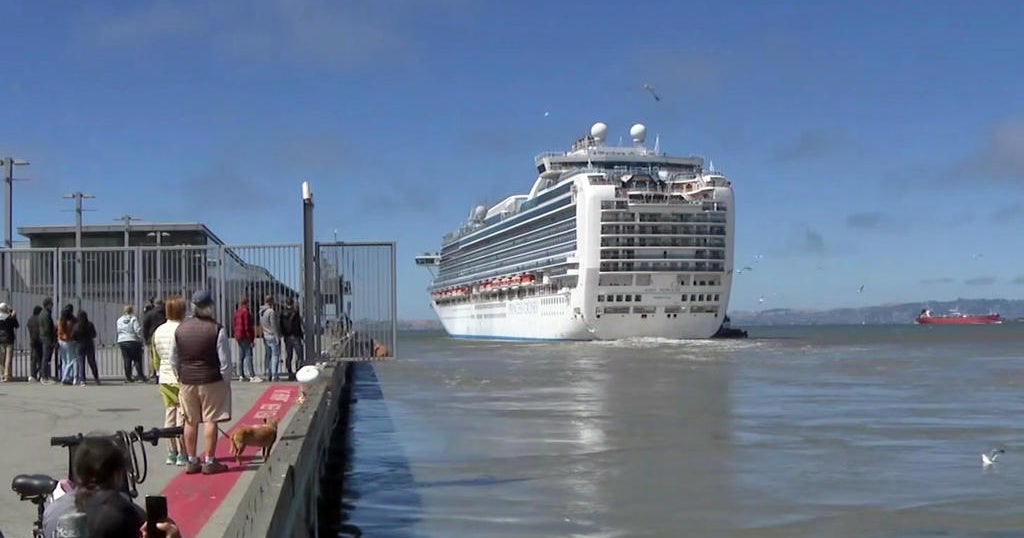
(35,345)
(68,345)
(8,325)
(166,348)
(85,344)
(48,339)
(129,341)
(202,363)
(270,324)
(291,330)
(152,319)
(245,335)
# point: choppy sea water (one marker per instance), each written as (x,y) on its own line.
(796,431)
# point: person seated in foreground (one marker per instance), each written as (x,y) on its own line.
(99,467)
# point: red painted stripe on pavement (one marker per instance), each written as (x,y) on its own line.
(193,499)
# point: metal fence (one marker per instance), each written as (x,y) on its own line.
(102,281)
(358,301)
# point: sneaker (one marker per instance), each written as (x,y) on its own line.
(193,468)
(214,467)
(47,381)
(32,379)
(172,459)
(255,379)
(182,460)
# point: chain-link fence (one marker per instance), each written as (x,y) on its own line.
(102,282)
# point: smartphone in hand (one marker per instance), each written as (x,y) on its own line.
(156,511)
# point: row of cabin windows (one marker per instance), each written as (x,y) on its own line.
(627,216)
(694,297)
(661,241)
(618,298)
(698,297)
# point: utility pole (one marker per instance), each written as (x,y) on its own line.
(159,261)
(78,197)
(127,219)
(8,164)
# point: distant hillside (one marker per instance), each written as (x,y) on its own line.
(884,314)
(419,325)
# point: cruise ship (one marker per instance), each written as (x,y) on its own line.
(611,242)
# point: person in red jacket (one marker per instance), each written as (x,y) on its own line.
(245,335)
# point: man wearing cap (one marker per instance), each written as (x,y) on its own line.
(202,362)
(8,325)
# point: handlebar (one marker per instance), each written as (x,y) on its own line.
(152,435)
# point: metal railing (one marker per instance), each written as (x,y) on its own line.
(102,281)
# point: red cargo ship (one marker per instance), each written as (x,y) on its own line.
(956,318)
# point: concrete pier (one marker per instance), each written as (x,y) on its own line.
(245,501)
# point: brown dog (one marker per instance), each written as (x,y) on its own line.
(262,436)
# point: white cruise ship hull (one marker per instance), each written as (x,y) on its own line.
(552,318)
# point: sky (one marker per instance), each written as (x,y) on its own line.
(869,144)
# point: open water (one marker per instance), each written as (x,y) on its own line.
(800,431)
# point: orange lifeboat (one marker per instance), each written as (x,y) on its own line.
(515,281)
(527,279)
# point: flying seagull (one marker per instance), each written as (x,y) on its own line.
(744,269)
(860,289)
(650,90)
(991,457)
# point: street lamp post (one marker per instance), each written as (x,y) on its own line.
(78,197)
(127,219)
(8,164)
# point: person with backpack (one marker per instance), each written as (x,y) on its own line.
(84,335)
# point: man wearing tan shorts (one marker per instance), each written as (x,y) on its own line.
(202,361)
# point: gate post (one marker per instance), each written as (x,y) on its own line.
(308,264)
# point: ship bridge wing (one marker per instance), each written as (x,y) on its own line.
(428,260)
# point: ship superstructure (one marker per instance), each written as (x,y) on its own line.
(610,242)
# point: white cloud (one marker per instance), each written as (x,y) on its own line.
(282,31)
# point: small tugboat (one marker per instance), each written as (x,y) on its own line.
(726,331)
(956,318)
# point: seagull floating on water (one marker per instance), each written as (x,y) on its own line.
(991,457)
